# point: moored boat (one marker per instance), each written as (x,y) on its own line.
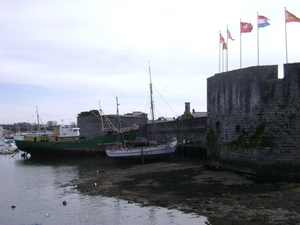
(151,150)
(145,149)
(67,142)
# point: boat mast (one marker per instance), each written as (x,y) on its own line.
(38,119)
(152,105)
(101,118)
(118,120)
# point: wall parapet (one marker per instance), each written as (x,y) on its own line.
(251,111)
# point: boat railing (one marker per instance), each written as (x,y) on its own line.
(124,129)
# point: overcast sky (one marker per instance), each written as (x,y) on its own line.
(65,56)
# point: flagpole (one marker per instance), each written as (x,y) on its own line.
(222,52)
(257,40)
(227,48)
(240,45)
(222,57)
(219,52)
(286,51)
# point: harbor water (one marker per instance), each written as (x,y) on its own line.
(42,191)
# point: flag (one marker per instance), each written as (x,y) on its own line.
(289,17)
(246,27)
(229,35)
(222,40)
(262,21)
(225,45)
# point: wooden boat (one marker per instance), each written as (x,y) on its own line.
(146,149)
(153,150)
(66,141)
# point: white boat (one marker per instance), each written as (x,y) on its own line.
(2,141)
(150,149)
(7,146)
(61,131)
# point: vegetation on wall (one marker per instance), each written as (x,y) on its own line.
(252,139)
(185,116)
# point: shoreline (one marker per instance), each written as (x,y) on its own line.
(189,186)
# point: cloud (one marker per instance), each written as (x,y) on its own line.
(65,56)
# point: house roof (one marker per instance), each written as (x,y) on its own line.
(199,114)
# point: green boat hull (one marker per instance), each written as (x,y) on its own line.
(82,147)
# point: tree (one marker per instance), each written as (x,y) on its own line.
(51,123)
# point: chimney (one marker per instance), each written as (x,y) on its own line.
(187,108)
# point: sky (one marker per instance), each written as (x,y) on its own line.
(69,56)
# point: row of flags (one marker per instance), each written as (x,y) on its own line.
(262,21)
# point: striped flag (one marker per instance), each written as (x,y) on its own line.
(262,21)
(289,17)
(222,40)
(229,35)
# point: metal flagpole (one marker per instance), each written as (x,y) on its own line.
(219,52)
(286,51)
(227,48)
(222,57)
(240,45)
(257,40)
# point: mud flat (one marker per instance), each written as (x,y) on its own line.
(188,185)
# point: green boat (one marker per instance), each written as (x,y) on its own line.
(65,141)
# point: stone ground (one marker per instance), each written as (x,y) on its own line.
(188,185)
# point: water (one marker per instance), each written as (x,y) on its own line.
(38,188)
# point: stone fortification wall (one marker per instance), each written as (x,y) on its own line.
(90,124)
(253,117)
(187,130)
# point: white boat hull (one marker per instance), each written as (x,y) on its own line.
(147,151)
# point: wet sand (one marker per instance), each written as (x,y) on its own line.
(188,185)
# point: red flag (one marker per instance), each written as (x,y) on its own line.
(246,27)
(289,17)
(222,40)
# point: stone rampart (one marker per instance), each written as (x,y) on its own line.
(254,117)
(187,130)
(91,124)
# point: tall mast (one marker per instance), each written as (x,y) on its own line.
(38,119)
(152,105)
(118,120)
(101,118)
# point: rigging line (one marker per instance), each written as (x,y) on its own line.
(169,130)
(165,101)
(147,102)
(170,135)
(31,116)
(109,123)
(124,121)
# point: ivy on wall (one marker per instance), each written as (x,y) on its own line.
(252,139)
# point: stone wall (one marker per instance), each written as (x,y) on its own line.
(187,130)
(91,126)
(254,117)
